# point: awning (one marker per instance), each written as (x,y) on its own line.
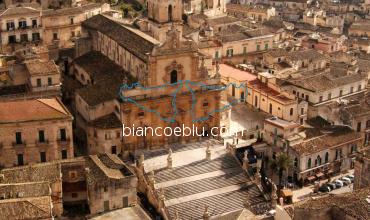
(310,178)
(286,192)
(319,174)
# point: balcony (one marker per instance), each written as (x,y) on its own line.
(19,144)
(42,143)
(63,142)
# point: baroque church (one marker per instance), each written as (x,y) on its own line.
(174,87)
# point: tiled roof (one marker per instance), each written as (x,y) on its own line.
(104,167)
(222,20)
(104,91)
(45,172)
(272,93)
(18,11)
(326,80)
(27,190)
(26,208)
(70,11)
(98,66)
(353,204)
(107,122)
(326,141)
(32,110)
(135,42)
(305,54)
(39,67)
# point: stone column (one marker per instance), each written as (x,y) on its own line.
(274,196)
(169,159)
(208,153)
(245,161)
(161,198)
(206,214)
(151,179)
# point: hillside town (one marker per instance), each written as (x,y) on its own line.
(185,109)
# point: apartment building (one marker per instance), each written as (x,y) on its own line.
(324,152)
(21,25)
(63,26)
(264,94)
(34,131)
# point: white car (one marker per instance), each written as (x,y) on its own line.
(345,179)
(338,183)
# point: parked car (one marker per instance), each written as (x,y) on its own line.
(324,188)
(346,181)
(338,183)
(351,177)
(332,186)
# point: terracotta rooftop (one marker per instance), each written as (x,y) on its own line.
(32,110)
(26,208)
(305,54)
(263,88)
(354,204)
(19,11)
(39,67)
(99,66)
(104,167)
(107,122)
(43,172)
(326,80)
(70,11)
(316,144)
(135,42)
(27,190)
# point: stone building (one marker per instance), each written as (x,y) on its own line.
(362,169)
(162,15)
(62,27)
(257,13)
(139,58)
(92,185)
(30,75)
(324,152)
(265,94)
(360,29)
(33,131)
(236,81)
(353,112)
(110,184)
(44,76)
(21,25)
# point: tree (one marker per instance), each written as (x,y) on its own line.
(280,164)
(126,8)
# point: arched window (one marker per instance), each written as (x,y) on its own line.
(309,163)
(173,76)
(318,159)
(291,111)
(270,110)
(170,13)
(296,162)
(326,157)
